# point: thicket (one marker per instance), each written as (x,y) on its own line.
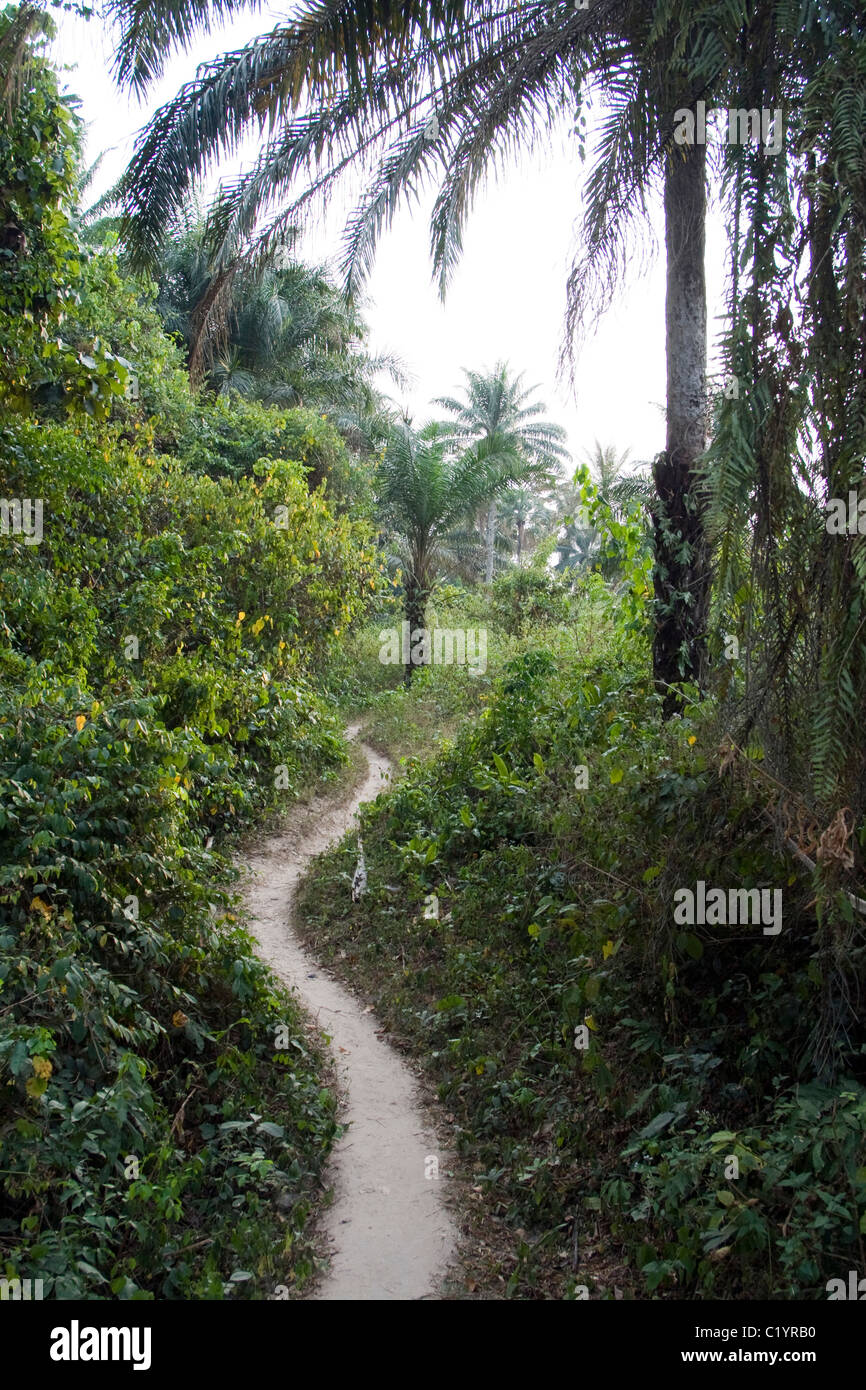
(159,651)
(552,833)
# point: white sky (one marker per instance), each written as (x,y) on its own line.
(507,299)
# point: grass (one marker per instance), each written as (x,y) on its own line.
(600,1066)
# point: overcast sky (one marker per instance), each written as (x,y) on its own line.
(507,299)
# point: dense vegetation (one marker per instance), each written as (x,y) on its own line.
(211,511)
(703,1044)
(160,1137)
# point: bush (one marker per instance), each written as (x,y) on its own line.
(525,598)
(226,438)
(147,1123)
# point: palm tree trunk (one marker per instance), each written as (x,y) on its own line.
(415,605)
(491,540)
(681,574)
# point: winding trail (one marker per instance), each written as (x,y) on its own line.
(389,1230)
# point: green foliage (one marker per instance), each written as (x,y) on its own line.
(41,258)
(138,1027)
(154,1038)
(278,331)
(159,550)
(160,648)
(226,438)
(524,598)
(799,1189)
(626,550)
(698,1038)
(116,311)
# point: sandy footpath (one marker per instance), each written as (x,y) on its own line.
(389,1230)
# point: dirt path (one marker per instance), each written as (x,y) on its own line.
(389,1229)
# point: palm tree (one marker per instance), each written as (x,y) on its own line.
(455,86)
(428,487)
(529,514)
(606,466)
(496,404)
(579,542)
(285,336)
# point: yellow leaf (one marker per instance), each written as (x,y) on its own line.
(240,618)
(80,722)
(179,1019)
(590,1022)
(37,905)
(616,775)
(42,1067)
(607,950)
(257,626)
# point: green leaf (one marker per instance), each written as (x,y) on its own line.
(268,1127)
(691,944)
(451,1001)
(657,1124)
(500,766)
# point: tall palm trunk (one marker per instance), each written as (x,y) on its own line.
(681,577)
(415,607)
(491,541)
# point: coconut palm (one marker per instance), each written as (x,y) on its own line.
(497,404)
